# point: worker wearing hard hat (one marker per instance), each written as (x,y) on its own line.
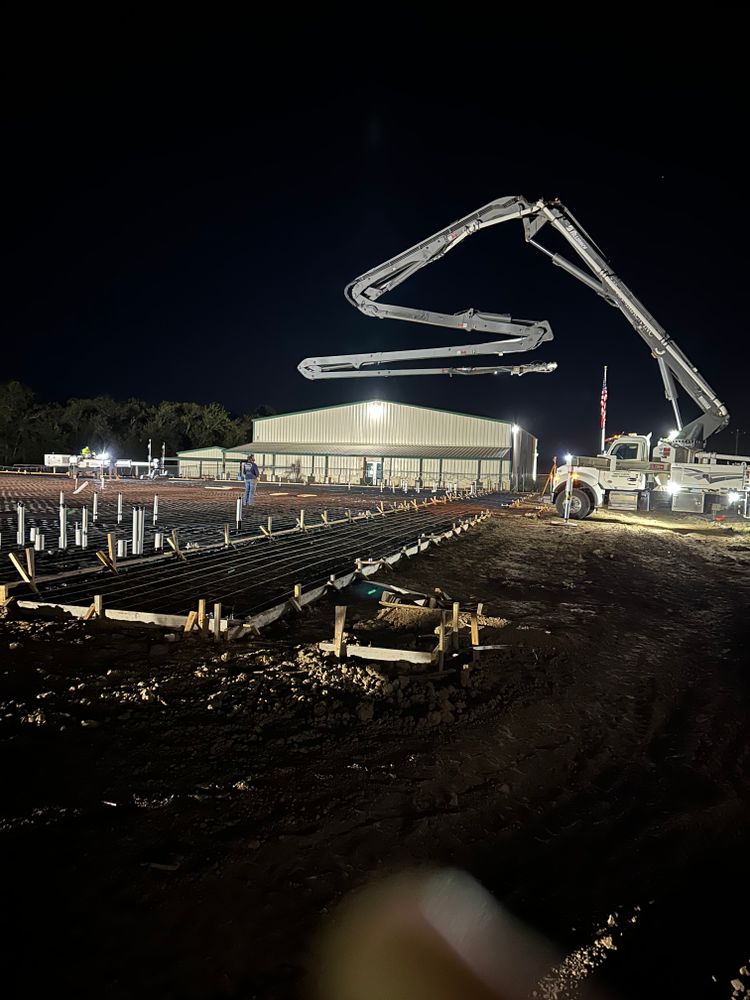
(86,452)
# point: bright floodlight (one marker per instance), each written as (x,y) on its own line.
(672,435)
(673,487)
(104,455)
(514,428)
(568,459)
(733,497)
(376,410)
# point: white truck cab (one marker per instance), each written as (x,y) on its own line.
(629,476)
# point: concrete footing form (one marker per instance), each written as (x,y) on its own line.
(195,558)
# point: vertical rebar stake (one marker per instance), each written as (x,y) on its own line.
(62,540)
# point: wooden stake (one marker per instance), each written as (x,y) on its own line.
(99,605)
(105,560)
(455,624)
(226,534)
(30,563)
(294,600)
(22,572)
(112,550)
(217,622)
(174,544)
(441,641)
(474,628)
(191,621)
(338,630)
(202,617)
(4,594)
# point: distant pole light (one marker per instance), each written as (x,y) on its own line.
(568,458)
(376,410)
(515,428)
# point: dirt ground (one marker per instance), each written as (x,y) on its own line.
(178,818)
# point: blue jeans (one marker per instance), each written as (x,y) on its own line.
(249,492)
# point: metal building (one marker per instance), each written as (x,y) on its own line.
(378,441)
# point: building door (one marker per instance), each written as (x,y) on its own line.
(374,472)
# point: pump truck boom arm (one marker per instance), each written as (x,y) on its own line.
(335,367)
(521,335)
(673,363)
(365,291)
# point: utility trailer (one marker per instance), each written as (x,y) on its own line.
(628,476)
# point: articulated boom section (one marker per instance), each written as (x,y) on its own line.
(673,363)
(366,291)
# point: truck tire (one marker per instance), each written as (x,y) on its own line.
(580,504)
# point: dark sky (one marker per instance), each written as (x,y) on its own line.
(183,213)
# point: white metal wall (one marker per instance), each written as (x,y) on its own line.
(201,453)
(210,468)
(382,423)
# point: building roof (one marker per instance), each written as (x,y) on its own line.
(390,402)
(373,450)
(206,447)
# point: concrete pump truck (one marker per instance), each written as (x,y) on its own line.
(631,473)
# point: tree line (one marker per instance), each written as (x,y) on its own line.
(31,428)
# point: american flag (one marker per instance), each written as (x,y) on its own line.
(603,401)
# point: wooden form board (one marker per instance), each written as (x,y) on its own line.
(379,653)
(112,614)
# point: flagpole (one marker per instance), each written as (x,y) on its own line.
(603,408)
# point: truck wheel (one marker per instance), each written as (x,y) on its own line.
(580,504)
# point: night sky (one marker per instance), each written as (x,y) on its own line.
(182,214)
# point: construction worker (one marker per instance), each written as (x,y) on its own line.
(86,452)
(250,474)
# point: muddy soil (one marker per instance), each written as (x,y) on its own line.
(178,817)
